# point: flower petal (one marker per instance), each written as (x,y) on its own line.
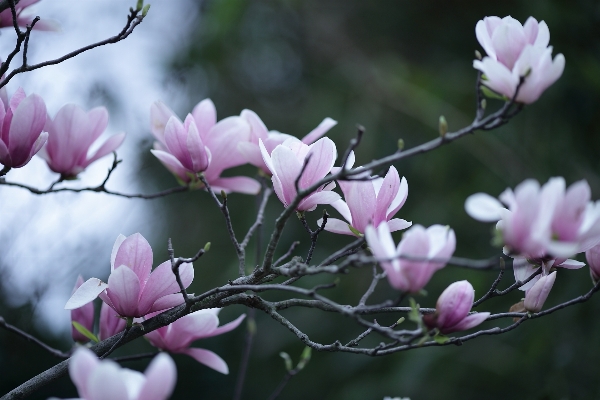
(86,293)
(208,358)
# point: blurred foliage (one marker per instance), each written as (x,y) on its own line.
(393,67)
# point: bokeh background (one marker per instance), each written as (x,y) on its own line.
(392,66)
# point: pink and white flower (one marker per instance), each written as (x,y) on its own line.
(420,253)
(70,136)
(452,310)
(515,51)
(219,138)
(542,222)
(21,124)
(271,139)
(133,290)
(286,162)
(179,335)
(104,379)
(370,202)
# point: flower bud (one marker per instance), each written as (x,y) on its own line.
(593,258)
(537,295)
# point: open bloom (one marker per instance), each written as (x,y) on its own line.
(452,309)
(83,315)
(104,379)
(179,335)
(21,123)
(286,163)
(370,202)
(271,139)
(515,51)
(132,289)
(420,253)
(70,136)
(542,221)
(6,19)
(220,139)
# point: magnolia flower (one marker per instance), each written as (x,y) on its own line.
(70,136)
(542,221)
(370,202)
(593,258)
(420,253)
(6,19)
(104,379)
(286,163)
(271,139)
(219,138)
(185,150)
(179,335)
(523,268)
(538,293)
(452,309)
(83,315)
(132,289)
(21,123)
(515,51)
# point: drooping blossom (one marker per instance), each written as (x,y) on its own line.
(83,315)
(104,379)
(542,222)
(219,138)
(536,296)
(286,163)
(370,202)
(515,51)
(21,123)
(110,322)
(6,19)
(179,335)
(70,136)
(133,290)
(271,139)
(592,256)
(452,310)
(523,268)
(419,254)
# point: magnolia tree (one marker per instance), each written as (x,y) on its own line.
(538,226)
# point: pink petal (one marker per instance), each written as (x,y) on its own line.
(81,365)
(185,330)
(222,140)
(172,164)
(227,327)
(124,291)
(110,145)
(322,157)
(537,295)
(257,126)
(135,252)
(86,293)
(110,323)
(336,226)
(343,209)
(483,207)
(161,376)
(165,302)
(208,358)
(325,197)
(397,224)
(159,116)
(468,322)
(162,282)
(361,200)
(319,131)
(205,115)
(251,151)
(454,303)
(106,382)
(399,199)
(238,184)
(26,126)
(286,168)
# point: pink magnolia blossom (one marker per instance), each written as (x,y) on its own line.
(132,289)
(540,222)
(6,19)
(593,258)
(286,162)
(185,150)
(515,51)
(83,315)
(110,322)
(179,335)
(370,202)
(21,123)
(420,253)
(219,138)
(104,379)
(452,309)
(538,293)
(271,139)
(70,136)
(523,268)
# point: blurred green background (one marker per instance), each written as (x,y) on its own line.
(393,67)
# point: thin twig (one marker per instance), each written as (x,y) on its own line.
(32,339)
